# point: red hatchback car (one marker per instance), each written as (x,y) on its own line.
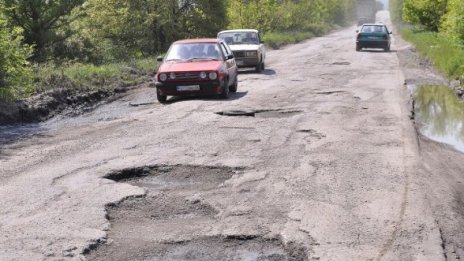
(197,67)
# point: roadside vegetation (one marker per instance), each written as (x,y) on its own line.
(436,28)
(94,44)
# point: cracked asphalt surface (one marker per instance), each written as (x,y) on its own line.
(342,175)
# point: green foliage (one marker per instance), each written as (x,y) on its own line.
(15,71)
(453,21)
(427,13)
(89,76)
(120,29)
(45,22)
(288,15)
(446,54)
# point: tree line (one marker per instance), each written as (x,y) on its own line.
(443,16)
(33,32)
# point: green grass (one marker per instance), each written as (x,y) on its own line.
(445,54)
(91,77)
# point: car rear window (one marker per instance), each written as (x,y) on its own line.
(373,29)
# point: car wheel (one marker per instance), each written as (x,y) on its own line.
(233,87)
(225,91)
(161,98)
(260,67)
(387,49)
(358,48)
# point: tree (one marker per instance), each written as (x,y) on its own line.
(45,22)
(15,71)
(122,29)
(427,13)
(453,21)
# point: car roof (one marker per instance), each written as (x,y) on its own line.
(377,24)
(239,31)
(200,40)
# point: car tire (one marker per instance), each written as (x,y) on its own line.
(260,67)
(233,87)
(358,48)
(225,91)
(161,98)
(387,49)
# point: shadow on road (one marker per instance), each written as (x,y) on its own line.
(11,134)
(232,97)
(377,51)
(252,71)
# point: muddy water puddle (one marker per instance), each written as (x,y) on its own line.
(440,114)
(173,221)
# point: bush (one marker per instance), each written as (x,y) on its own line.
(90,77)
(15,71)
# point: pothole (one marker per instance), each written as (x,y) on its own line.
(328,92)
(275,113)
(174,222)
(341,63)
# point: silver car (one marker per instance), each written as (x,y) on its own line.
(247,46)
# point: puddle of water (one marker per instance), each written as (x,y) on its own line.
(441,115)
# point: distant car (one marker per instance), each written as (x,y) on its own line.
(373,36)
(197,67)
(248,48)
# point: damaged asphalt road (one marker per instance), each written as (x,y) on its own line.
(329,168)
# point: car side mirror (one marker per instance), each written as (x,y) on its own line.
(230,56)
(262,42)
(159,58)
(390,32)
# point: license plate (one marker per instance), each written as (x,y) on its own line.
(372,37)
(188,88)
(240,63)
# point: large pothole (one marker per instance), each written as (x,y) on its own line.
(174,221)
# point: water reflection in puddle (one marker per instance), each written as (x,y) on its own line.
(441,115)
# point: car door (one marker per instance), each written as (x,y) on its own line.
(231,66)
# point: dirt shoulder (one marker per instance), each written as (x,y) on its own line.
(440,168)
(69,102)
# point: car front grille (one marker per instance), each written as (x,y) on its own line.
(239,54)
(186,76)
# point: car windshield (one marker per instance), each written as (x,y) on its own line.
(232,38)
(373,29)
(193,51)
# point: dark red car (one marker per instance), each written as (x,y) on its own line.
(197,67)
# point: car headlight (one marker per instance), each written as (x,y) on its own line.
(251,54)
(213,75)
(163,77)
(172,76)
(203,75)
